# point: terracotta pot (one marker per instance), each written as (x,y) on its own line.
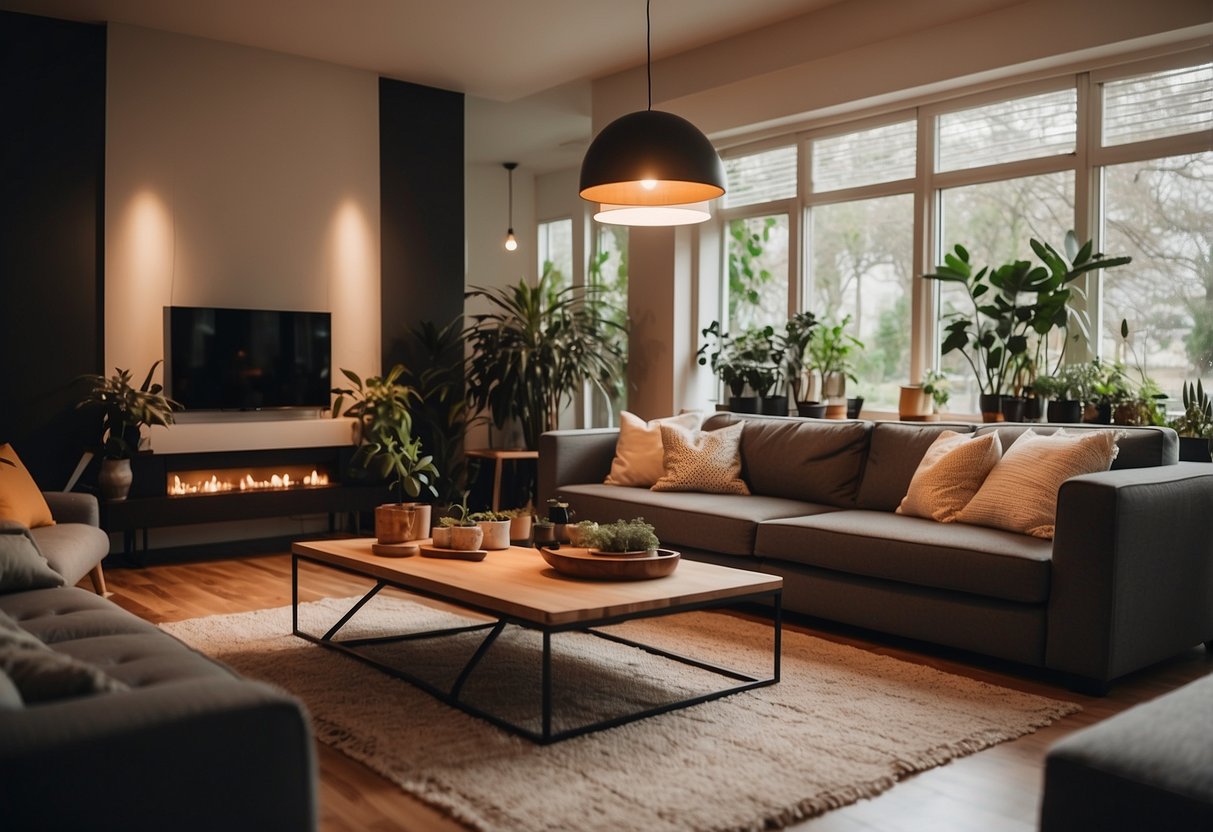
(496,534)
(466,538)
(396,522)
(913,402)
(836,411)
(115,479)
(520,527)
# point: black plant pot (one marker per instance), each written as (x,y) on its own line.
(991,407)
(1013,408)
(1103,415)
(775,405)
(1065,411)
(854,406)
(811,410)
(743,404)
(1194,449)
(1033,409)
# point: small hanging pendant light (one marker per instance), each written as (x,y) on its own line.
(511,242)
(651,158)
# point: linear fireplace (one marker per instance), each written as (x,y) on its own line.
(256,478)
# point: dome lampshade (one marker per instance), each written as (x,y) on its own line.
(651,157)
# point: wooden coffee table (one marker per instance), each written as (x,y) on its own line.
(516,587)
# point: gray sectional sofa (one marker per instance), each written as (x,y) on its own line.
(1127,581)
(108,722)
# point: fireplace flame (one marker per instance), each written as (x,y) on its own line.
(196,482)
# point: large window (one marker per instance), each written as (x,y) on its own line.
(1121,155)
(608,272)
(556,250)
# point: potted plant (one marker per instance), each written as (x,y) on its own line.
(388,450)
(623,538)
(124,413)
(579,532)
(923,402)
(496,528)
(1015,307)
(830,348)
(536,348)
(794,346)
(1195,424)
(457,530)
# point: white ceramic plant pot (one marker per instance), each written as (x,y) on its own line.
(442,536)
(496,534)
(466,538)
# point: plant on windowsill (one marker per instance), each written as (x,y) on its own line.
(1195,424)
(125,411)
(794,345)
(623,538)
(748,362)
(830,348)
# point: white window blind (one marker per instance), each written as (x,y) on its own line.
(1009,131)
(1158,105)
(866,157)
(761,177)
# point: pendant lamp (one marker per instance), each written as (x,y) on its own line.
(511,242)
(651,158)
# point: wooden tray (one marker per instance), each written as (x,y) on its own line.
(395,550)
(430,551)
(579,563)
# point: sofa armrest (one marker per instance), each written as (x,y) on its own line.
(207,754)
(73,507)
(568,457)
(1132,576)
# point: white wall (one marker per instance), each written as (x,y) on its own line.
(237,177)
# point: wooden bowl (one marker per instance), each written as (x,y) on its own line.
(579,563)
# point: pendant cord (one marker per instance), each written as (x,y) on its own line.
(648,42)
(511,171)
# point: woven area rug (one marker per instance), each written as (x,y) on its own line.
(843,724)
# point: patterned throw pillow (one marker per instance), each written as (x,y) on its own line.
(639,456)
(951,472)
(1020,494)
(707,461)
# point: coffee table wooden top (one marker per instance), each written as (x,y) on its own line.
(518,583)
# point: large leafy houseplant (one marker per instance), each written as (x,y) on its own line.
(534,350)
(1004,338)
(794,344)
(830,348)
(125,410)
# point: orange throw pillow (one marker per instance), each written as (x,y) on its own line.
(950,473)
(20,498)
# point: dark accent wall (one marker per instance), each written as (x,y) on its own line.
(421,210)
(52,168)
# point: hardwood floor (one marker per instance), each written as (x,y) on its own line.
(991,791)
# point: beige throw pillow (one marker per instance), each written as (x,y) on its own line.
(639,458)
(1020,494)
(707,461)
(951,471)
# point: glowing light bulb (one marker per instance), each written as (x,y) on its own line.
(648,184)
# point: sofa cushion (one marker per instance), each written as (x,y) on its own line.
(20,498)
(41,674)
(817,461)
(703,461)
(949,475)
(639,455)
(1140,447)
(22,566)
(894,452)
(987,562)
(1020,494)
(723,523)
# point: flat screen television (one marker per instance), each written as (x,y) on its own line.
(247,359)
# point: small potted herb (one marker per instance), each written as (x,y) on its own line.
(623,538)
(496,528)
(1195,424)
(578,532)
(457,530)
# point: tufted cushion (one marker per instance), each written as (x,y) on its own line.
(22,565)
(1020,494)
(41,674)
(639,455)
(950,473)
(705,461)
(20,498)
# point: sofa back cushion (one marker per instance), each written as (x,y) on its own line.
(815,460)
(1140,447)
(894,453)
